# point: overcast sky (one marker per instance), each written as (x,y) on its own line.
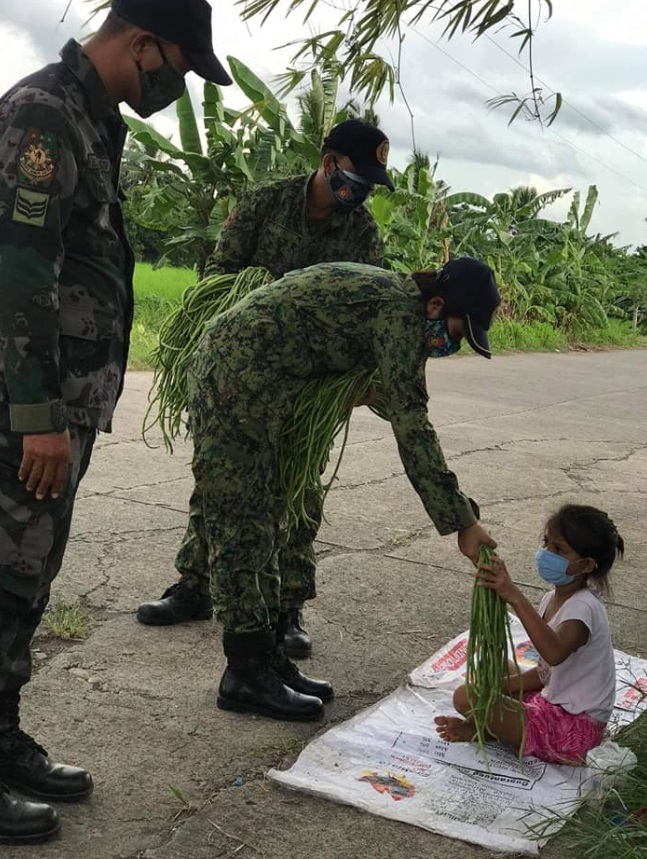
(593,51)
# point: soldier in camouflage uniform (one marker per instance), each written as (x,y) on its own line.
(66,309)
(283,226)
(250,365)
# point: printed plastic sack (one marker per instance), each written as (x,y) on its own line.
(608,765)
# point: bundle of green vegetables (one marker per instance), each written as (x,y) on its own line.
(179,335)
(487,655)
(322,411)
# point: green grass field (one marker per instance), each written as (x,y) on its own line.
(168,283)
(157,291)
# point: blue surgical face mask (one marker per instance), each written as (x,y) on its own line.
(552,568)
(438,343)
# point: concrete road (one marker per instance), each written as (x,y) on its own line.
(136,705)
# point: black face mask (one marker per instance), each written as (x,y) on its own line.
(158,88)
(348,189)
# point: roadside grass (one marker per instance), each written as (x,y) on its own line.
(68,621)
(508,336)
(616,829)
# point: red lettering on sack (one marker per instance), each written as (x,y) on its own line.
(453,659)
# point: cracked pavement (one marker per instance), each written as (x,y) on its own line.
(178,779)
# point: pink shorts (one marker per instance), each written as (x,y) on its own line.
(558,737)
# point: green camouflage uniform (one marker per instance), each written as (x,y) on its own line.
(249,367)
(66,307)
(270,228)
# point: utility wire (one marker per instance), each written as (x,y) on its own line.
(565,101)
(550,130)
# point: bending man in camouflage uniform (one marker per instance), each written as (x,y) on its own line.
(248,369)
(283,226)
(65,315)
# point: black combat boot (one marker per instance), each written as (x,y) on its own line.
(292,677)
(178,604)
(25,766)
(250,684)
(297,642)
(23,822)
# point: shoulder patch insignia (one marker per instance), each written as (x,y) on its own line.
(30,207)
(38,158)
(382,153)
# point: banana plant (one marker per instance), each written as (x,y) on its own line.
(412,219)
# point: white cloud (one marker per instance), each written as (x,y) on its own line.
(590,50)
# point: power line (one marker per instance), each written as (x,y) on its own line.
(565,101)
(550,130)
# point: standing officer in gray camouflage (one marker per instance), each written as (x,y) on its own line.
(66,306)
(283,226)
(247,371)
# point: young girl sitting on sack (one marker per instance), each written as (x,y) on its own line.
(568,698)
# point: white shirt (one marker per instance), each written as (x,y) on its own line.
(586,681)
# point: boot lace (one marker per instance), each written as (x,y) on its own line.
(181,591)
(282,665)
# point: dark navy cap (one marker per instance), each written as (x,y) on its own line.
(366,146)
(470,292)
(187,23)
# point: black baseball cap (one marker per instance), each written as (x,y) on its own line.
(366,146)
(187,23)
(470,292)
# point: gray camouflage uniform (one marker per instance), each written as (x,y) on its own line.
(269,227)
(66,306)
(252,362)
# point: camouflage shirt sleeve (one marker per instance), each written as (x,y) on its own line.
(401,366)
(372,250)
(38,173)
(238,238)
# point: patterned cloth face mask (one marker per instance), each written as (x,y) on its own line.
(438,343)
(348,189)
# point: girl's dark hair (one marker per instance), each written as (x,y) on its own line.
(592,534)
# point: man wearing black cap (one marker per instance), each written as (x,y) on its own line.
(283,226)
(251,364)
(66,306)
(306,220)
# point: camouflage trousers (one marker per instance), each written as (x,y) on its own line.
(33,538)
(296,555)
(235,531)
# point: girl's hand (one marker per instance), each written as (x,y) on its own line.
(497,577)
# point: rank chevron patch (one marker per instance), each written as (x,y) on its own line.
(31,207)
